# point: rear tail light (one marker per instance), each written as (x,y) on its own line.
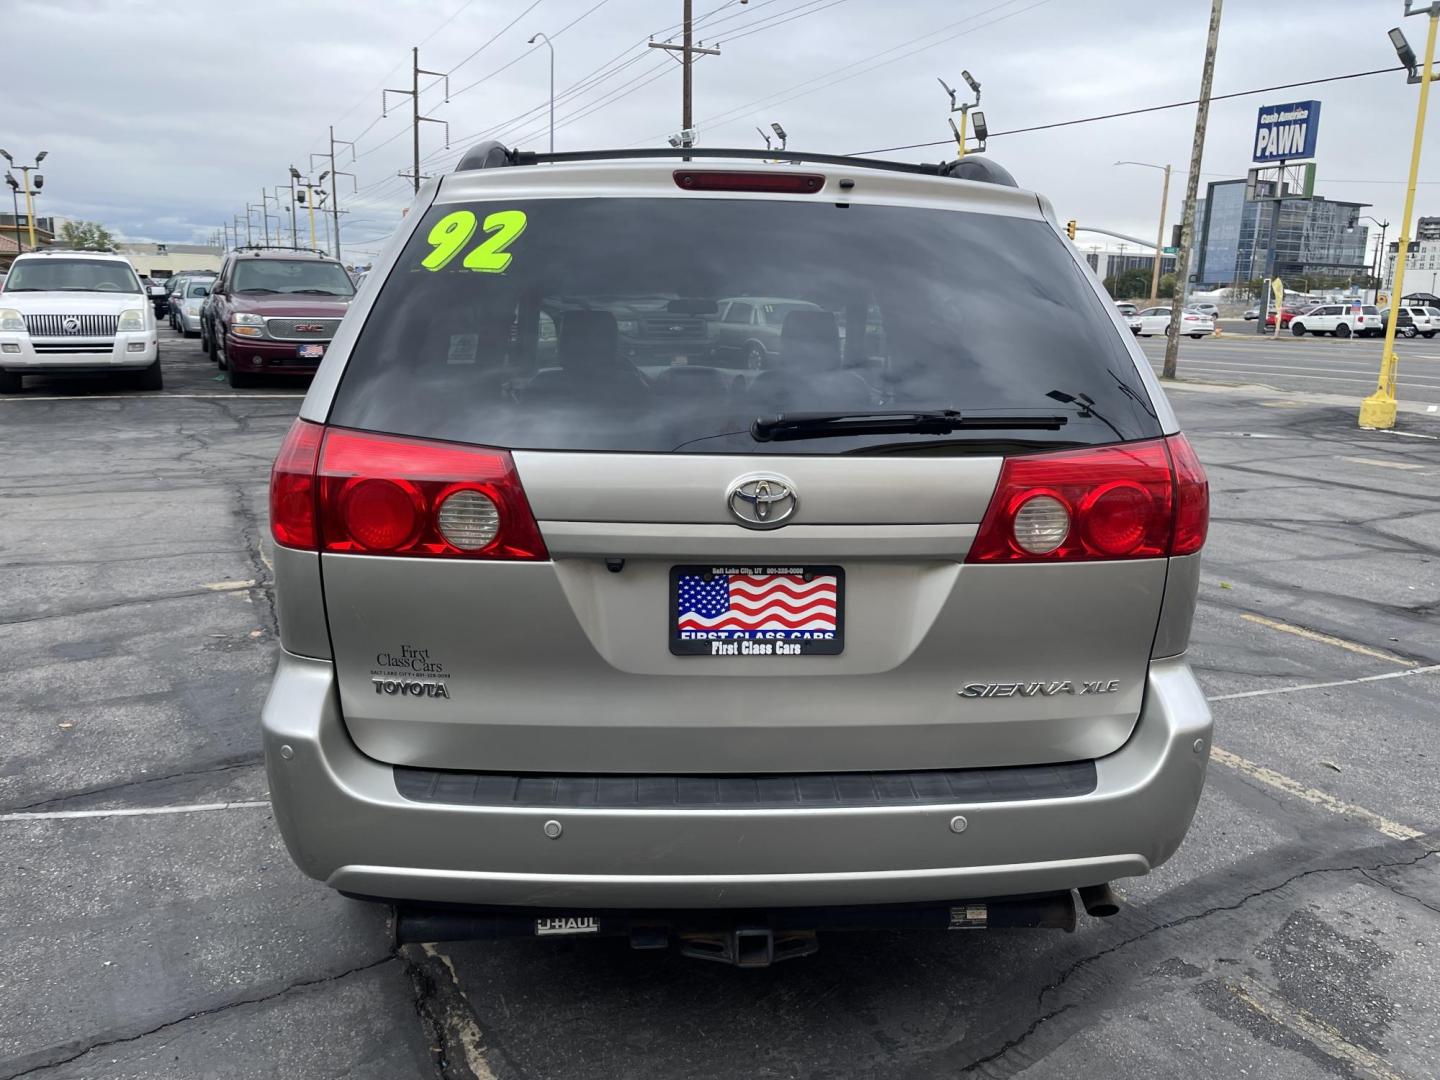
(292,487)
(767,182)
(1132,501)
(350,491)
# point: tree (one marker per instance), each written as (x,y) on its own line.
(1129,283)
(1167,284)
(86,236)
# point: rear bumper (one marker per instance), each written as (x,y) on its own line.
(346,824)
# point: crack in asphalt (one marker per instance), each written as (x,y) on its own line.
(74,1054)
(1053,986)
(51,802)
(1401,892)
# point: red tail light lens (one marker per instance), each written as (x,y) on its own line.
(1192,498)
(767,182)
(1122,502)
(292,487)
(383,495)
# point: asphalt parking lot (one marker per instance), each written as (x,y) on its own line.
(155,927)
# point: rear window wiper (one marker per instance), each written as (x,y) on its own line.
(820,425)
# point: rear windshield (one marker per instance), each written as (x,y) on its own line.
(72,275)
(596,324)
(292,276)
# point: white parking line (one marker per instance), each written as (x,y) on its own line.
(1326,639)
(139,811)
(1315,797)
(137,397)
(1319,1034)
(1431,669)
(1382,464)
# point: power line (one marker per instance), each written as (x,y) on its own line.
(1146,109)
(782,17)
(781,96)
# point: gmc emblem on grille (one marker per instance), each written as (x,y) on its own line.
(309,327)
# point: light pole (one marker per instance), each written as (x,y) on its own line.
(29,193)
(1160,232)
(1378,410)
(963,108)
(550,45)
(15,203)
(294,175)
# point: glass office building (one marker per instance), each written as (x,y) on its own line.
(1315,237)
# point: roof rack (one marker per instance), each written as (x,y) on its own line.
(280,247)
(491,154)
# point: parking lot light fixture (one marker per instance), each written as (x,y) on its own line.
(1378,410)
(546,38)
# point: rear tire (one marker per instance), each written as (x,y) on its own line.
(10,382)
(1197,337)
(150,378)
(1342,331)
(204,340)
(1298,329)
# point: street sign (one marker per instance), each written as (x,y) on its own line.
(1169,251)
(1286,131)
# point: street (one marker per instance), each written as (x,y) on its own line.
(1326,365)
(156,927)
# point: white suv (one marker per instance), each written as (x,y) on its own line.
(75,311)
(1342,320)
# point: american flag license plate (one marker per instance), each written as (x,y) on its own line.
(774,612)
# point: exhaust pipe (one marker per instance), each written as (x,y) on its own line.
(1100,901)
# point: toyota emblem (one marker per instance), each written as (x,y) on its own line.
(762,501)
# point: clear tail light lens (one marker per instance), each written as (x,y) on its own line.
(1131,501)
(292,487)
(360,493)
(1192,498)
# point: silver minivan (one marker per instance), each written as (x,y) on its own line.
(890,630)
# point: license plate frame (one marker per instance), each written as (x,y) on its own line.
(314,351)
(777,643)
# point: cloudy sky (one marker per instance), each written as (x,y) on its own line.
(162,121)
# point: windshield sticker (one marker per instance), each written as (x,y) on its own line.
(463,348)
(454,231)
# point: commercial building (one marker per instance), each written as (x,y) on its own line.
(162,260)
(1422,264)
(1108,262)
(1317,237)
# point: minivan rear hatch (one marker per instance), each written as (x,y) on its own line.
(710,546)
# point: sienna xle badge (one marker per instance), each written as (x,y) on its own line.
(719,593)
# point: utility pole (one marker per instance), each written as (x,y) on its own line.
(1192,184)
(688,50)
(264,219)
(415,118)
(335,195)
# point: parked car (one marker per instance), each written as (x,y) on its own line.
(187,302)
(1252,314)
(179,289)
(677,652)
(1126,308)
(1204,309)
(273,310)
(64,312)
(1286,314)
(158,291)
(1156,320)
(1413,321)
(748,328)
(1339,320)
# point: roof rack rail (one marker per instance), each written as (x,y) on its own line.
(280,247)
(491,155)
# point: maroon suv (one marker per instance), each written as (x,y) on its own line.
(273,311)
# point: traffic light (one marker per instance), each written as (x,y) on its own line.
(1070,227)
